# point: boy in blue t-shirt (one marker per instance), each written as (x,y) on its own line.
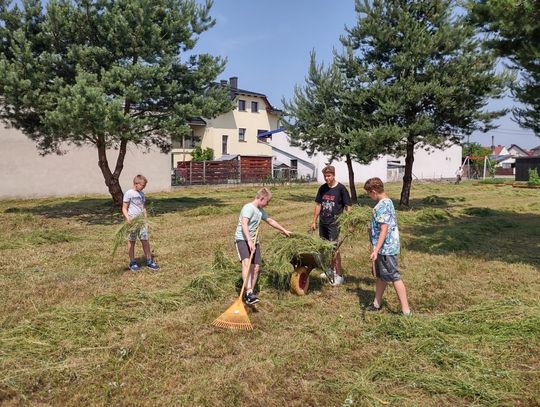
(384,235)
(250,217)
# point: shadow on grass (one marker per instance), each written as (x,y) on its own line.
(102,211)
(486,233)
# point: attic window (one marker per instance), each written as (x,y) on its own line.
(242,105)
(254,107)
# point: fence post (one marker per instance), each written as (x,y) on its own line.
(240,168)
(190,171)
(204,172)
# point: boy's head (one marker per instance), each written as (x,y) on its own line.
(263,196)
(374,187)
(139,182)
(329,173)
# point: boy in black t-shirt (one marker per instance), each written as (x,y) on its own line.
(332,198)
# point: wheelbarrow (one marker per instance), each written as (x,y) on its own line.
(303,264)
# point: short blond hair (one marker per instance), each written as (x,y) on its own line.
(264,192)
(374,184)
(140,179)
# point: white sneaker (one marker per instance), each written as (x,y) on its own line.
(324,276)
(338,280)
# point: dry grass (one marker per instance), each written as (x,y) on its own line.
(76,328)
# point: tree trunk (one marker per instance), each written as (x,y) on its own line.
(407,177)
(354,198)
(112,179)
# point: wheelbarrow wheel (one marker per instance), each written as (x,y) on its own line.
(300,281)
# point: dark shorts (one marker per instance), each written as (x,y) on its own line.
(329,232)
(386,268)
(242,249)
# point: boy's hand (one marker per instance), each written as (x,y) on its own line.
(373,255)
(313,226)
(251,245)
(287,232)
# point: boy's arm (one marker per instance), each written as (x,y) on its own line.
(277,226)
(380,242)
(125,210)
(245,230)
(315,216)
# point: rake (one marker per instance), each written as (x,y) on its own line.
(236,317)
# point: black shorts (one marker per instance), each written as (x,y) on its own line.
(386,268)
(329,232)
(242,248)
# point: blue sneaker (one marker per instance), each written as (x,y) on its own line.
(151,264)
(133,266)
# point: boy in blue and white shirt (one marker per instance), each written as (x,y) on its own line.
(384,236)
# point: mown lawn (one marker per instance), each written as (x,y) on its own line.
(76,328)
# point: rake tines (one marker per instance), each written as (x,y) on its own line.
(234,317)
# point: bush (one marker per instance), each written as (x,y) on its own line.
(534,179)
(199,154)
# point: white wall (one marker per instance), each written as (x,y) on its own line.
(435,163)
(428,164)
(25,174)
(318,161)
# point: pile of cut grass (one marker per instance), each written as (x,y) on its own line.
(133,226)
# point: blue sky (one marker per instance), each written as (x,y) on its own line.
(267,44)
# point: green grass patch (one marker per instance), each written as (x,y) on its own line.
(77,329)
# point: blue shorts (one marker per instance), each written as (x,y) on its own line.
(386,268)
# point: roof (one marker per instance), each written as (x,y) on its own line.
(238,92)
(498,150)
(197,121)
(515,146)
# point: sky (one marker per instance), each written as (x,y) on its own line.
(267,46)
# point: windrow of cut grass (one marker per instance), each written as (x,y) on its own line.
(76,328)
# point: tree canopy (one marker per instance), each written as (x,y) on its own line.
(328,115)
(106,73)
(512,29)
(428,76)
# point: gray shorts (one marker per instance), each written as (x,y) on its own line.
(386,268)
(242,249)
(142,234)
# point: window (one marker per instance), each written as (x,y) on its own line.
(224,140)
(242,105)
(294,163)
(241,134)
(254,107)
(189,141)
(264,139)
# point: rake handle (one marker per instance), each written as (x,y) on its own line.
(249,264)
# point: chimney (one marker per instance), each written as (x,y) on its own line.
(223,82)
(233,82)
(493,144)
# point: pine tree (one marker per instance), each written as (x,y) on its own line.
(513,31)
(429,78)
(106,73)
(326,116)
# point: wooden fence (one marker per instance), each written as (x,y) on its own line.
(238,170)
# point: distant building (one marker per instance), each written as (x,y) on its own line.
(233,133)
(430,163)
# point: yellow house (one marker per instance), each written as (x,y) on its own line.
(233,133)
